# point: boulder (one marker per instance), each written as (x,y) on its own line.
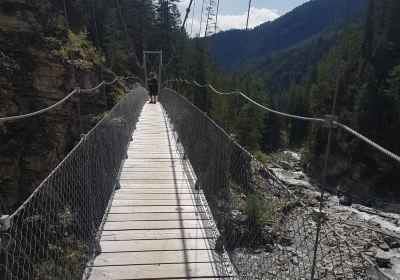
(345,201)
(395,244)
(286,165)
(383,259)
(384,246)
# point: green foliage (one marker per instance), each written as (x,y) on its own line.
(262,210)
(261,157)
(81,51)
(41,5)
(119,92)
(71,253)
(357,57)
(96,119)
(269,38)
(253,209)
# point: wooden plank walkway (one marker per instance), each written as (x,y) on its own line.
(155,229)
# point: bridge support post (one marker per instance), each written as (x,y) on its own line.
(320,216)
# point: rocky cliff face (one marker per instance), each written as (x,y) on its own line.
(33,76)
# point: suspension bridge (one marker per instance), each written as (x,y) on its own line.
(159,191)
(148,194)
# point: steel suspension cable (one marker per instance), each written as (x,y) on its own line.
(98,48)
(95,25)
(201,18)
(216,17)
(13,118)
(317,120)
(73,74)
(129,39)
(208,18)
(77,90)
(368,141)
(248,16)
(191,25)
(255,102)
(66,15)
(247,30)
(187,15)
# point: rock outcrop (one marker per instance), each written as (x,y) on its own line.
(33,76)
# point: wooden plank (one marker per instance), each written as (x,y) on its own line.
(151,196)
(157,271)
(135,184)
(153,217)
(152,169)
(157,152)
(155,234)
(175,183)
(153,175)
(154,229)
(170,156)
(154,245)
(151,149)
(143,225)
(146,160)
(155,190)
(153,165)
(153,209)
(152,257)
(159,202)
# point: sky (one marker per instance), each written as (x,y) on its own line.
(233,13)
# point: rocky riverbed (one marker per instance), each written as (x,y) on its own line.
(373,231)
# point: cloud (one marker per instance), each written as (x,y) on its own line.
(226,22)
(257,17)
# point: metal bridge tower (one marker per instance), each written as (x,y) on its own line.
(153,59)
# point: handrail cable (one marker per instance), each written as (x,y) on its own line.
(76,90)
(327,120)
(253,101)
(30,198)
(368,141)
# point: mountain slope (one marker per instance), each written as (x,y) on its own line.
(307,20)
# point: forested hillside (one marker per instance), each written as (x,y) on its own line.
(235,47)
(47,49)
(358,59)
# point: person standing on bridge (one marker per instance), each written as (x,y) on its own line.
(153,88)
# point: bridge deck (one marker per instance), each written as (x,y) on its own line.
(154,228)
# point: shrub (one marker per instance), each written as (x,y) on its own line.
(261,157)
(81,51)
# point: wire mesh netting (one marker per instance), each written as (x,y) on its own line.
(53,235)
(268,231)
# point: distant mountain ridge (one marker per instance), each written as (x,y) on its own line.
(230,47)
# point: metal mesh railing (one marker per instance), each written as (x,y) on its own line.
(54,234)
(268,231)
